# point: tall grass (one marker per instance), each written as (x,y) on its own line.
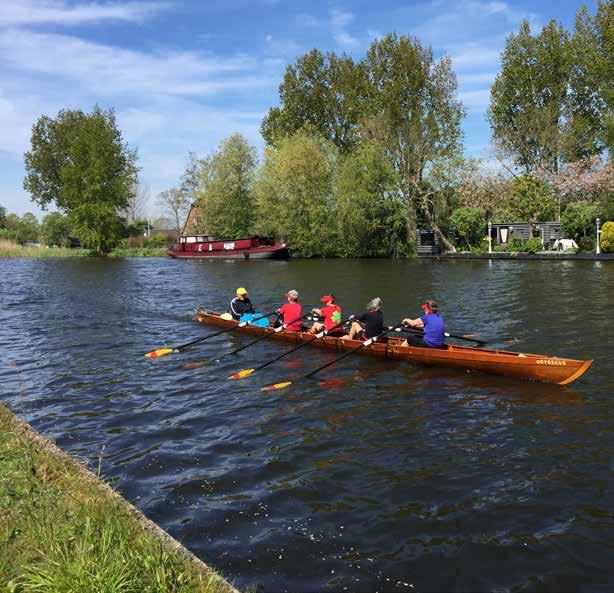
(62,532)
(10,249)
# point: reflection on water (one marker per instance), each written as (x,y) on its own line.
(377,475)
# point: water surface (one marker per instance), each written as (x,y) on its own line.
(378,476)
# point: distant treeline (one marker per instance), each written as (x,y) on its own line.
(361,153)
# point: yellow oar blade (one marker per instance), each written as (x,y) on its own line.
(159,352)
(241,374)
(277,386)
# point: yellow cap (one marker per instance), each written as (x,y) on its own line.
(241,291)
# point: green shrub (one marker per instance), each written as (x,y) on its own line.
(586,243)
(532,245)
(607,237)
(467,225)
(578,220)
(517,245)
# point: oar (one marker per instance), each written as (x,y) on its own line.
(200,363)
(332,362)
(465,337)
(321,334)
(164,351)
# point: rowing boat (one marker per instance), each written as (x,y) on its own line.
(535,367)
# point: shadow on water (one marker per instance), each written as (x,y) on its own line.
(376,475)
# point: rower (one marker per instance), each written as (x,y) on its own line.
(241,305)
(433,326)
(369,324)
(291,312)
(331,313)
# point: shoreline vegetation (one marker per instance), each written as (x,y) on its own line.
(62,529)
(9,249)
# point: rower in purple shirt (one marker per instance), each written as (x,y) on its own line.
(432,325)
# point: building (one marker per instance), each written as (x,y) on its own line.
(548,232)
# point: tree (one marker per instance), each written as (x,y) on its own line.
(137,202)
(468,225)
(370,210)
(2,217)
(532,200)
(294,195)
(489,193)
(579,219)
(414,113)
(55,229)
(225,193)
(322,92)
(80,162)
(176,204)
(607,237)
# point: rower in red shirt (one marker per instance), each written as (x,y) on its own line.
(332,316)
(291,312)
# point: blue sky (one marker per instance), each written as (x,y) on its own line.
(183,74)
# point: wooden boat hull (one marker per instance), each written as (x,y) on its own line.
(535,367)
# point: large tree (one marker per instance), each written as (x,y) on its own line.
(415,114)
(294,195)
(324,92)
(549,103)
(175,203)
(80,162)
(225,192)
(55,229)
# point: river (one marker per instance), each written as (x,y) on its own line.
(377,476)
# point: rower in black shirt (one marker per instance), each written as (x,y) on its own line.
(241,305)
(369,324)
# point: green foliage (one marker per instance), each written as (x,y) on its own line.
(607,237)
(294,195)
(80,162)
(55,230)
(62,532)
(324,93)
(548,103)
(467,225)
(586,244)
(225,193)
(579,220)
(532,200)
(517,245)
(20,230)
(371,214)
(2,217)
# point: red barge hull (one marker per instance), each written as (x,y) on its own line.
(204,247)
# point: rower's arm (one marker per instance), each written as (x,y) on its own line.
(414,322)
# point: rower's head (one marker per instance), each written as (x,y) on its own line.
(430,307)
(328,299)
(292,296)
(375,304)
(241,293)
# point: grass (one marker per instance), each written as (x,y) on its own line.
(64,531)
(10,249)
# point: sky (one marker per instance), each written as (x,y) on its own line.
(184,74)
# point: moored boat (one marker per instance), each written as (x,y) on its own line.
(206,246)
(536,367)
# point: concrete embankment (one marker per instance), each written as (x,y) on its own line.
(64,529)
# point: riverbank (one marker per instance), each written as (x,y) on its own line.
(62,529)
(525,256)
(13,250)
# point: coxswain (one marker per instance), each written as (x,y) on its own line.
(241,305)
(369,324)
(331,313)
(291,312)
(432,325)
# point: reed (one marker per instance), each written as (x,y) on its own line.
(10,249)
(63,531)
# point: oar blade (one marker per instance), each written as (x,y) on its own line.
(276,386)
(194,365)
(241,374)
(159,352)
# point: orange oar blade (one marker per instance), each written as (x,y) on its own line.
(159,352)
(277,386)
(241,374)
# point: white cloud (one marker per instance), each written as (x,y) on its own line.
(478,99)
(30,12)
(338,22)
